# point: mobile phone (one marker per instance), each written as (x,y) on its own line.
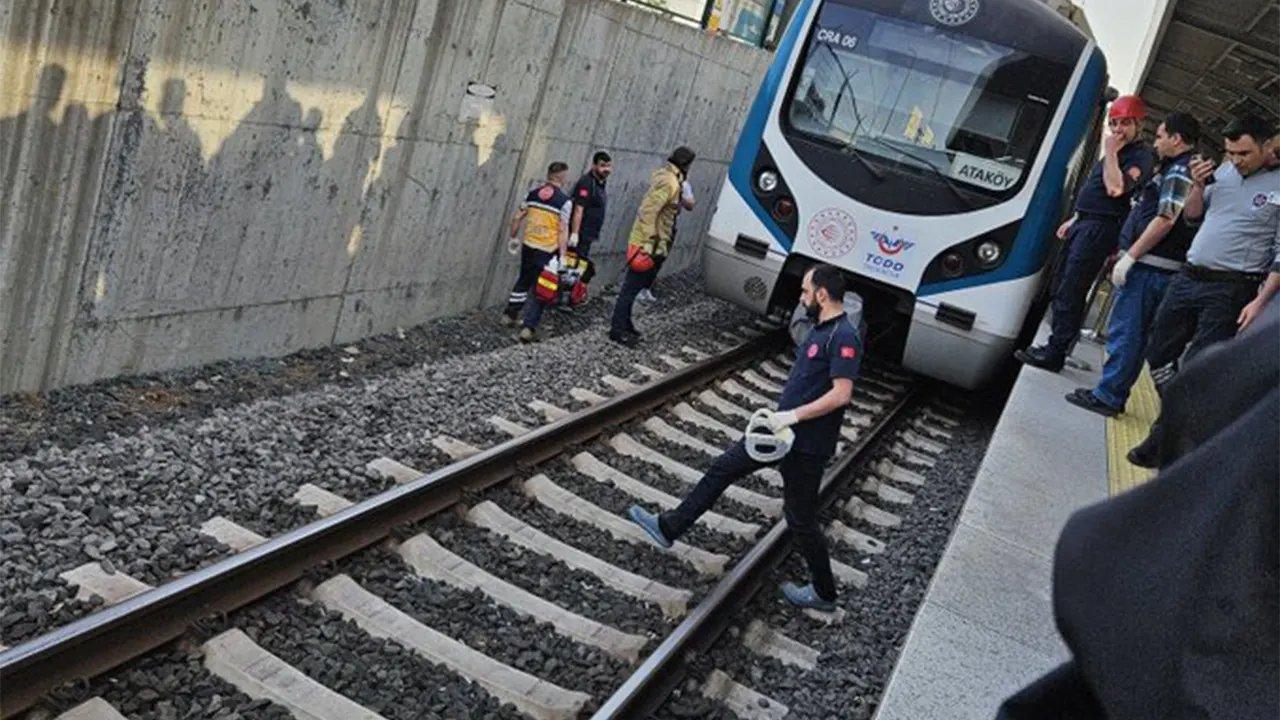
(1209,180)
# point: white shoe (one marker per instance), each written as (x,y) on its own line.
(646,296)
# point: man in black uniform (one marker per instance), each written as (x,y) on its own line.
(589,200)
(1092,232)
(812,404)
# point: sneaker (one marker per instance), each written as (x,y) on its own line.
(526,335)
(1040,357)
(806,597)
(1084,397)
(649,523)
(1144,455)
(646,295)
(624,339)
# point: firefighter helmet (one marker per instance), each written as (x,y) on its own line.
(762,443)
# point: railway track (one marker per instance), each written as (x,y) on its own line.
(527,533)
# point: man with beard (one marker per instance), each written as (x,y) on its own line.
(812,406)
(589,201)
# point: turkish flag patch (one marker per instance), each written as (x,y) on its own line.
(813,350)
(583,192)
(848,352)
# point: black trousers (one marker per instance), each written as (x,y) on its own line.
(801,479)
(1090,242)
(532,260)
(658,260)
(1193,315)
(632,284)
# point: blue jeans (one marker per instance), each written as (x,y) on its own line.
(801,479)
(1090,241)
(1132,314)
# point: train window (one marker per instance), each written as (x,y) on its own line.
(920,96)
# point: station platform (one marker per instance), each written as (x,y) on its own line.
(986,628)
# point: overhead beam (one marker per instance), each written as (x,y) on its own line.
(1204,74)
(1228,35)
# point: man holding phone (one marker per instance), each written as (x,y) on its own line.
(1232,269)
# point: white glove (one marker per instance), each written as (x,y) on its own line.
(573,240)
(686,191)
(1120,272)
(554,264)
(782,419)
(513,245)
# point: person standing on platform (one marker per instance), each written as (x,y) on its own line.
(650,239)
(1233,264)
(590,199)
(1091,234)
(1155,238)
(545,216)
(812,405)
(686,204)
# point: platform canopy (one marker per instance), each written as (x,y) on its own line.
(1216,59)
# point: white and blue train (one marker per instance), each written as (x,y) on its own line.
(926,147)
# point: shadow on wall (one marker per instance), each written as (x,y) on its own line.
(195,185)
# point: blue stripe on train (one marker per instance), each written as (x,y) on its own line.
(1031,245)
(753,129)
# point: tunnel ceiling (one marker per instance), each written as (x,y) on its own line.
(1217,59)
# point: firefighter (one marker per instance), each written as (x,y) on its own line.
(650,239)
(806,427)
(1093,232)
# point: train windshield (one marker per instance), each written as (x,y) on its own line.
(952,105)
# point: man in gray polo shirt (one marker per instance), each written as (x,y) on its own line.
(1233,264)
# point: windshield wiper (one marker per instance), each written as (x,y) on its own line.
(945,178)
(848,147)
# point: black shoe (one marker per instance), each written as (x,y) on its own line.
(1084,397)
(624,339)
(633,332)
(1144,455)
(1040,357)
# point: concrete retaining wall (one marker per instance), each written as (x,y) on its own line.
(187,182)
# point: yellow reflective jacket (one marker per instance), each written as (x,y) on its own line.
(657,213)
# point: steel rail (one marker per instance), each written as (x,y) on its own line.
(646,689)
(119,633)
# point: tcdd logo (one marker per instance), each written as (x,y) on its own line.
(889,245)
(884,265)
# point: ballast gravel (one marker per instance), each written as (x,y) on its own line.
(83,479)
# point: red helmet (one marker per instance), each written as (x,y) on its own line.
(1128,106)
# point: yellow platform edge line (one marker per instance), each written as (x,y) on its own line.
(1128,429)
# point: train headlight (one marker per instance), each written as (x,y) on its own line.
(952,265)
(767,181)
(988,253)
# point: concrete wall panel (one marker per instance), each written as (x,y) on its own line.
(60,69)
(138,345)
(186,182)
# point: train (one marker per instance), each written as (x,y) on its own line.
(928,148)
